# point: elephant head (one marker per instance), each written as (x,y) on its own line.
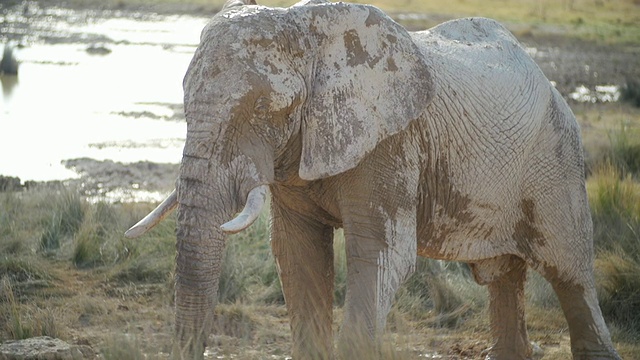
(278,95)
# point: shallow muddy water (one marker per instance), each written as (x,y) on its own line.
(95,87)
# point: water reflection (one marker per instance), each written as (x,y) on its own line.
(124,105)
(8,83)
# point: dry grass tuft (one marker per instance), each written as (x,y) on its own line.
(613,196)
(123,347)
(24,321)
(618,276)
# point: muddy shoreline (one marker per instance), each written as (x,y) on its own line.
(567,62)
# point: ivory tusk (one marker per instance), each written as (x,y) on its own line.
(251,211)
(154,217)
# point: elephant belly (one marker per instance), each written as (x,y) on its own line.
(466,236)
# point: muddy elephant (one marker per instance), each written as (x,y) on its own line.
(447,143)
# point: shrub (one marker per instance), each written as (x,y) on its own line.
(87,250)
(21,269)
(613,198)
(99,239)
(123,347)
(618,279)
(22,322)
(15,326)
(630,92)
(68,210)
(625,150)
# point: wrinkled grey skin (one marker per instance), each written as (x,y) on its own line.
(447,143)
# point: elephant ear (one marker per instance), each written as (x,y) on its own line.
(370,81)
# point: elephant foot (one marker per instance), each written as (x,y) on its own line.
(535,352)
(188,351)
(608,354)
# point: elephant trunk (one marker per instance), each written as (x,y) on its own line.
(200,247)
(202,227)
(198,267)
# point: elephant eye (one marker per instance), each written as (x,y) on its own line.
(262,106)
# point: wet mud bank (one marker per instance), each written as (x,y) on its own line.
(571,64)
(106,180)
(114,181)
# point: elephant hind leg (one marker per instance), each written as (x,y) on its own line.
(562,252)
(505,277)
(590,337)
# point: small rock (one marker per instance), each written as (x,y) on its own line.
(98,49)
(39,348)
(538,352)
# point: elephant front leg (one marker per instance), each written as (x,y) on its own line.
(303,249)
(381,253)
(505,277)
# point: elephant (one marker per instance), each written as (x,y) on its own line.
(447,143)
